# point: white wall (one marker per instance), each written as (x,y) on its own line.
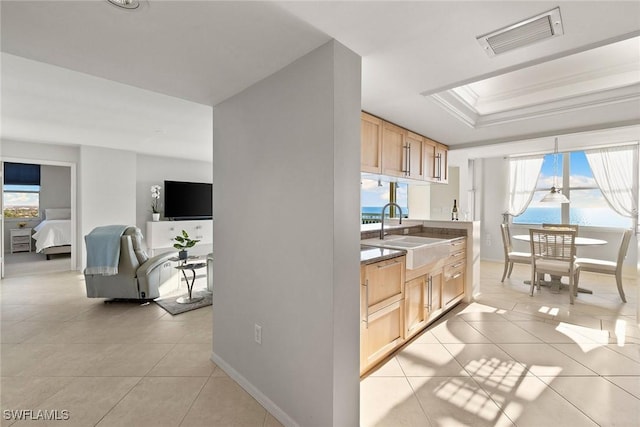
(443,195)
(286,250)
(107,190)
(153,170)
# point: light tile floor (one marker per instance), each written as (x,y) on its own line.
(507,359)
(511,359)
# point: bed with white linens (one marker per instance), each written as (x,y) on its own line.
(53,235)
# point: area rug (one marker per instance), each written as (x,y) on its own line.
(170,304)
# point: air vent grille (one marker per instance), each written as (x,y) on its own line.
(524,33)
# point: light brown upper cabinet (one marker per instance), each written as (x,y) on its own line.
(441,172)
(415,156)
(370,143)
(391,150)
(394,153)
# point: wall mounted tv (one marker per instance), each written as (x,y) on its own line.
(188,200)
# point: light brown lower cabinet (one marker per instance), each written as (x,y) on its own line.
(414,292)
(433,295)
(381,310)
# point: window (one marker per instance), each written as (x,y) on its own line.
(587,207)
(375,194)
(21,192)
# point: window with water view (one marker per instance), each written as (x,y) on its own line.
(374,195)
(587,207)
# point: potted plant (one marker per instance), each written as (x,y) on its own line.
(155,202)
(184,243)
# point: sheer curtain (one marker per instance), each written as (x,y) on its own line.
(615,170)
(523,178)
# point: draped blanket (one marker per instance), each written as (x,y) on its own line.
(103,249)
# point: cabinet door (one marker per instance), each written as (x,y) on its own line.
(441,163)
(381,334)
(384,283)
(433,294)
(394,152)
(453,286)
(414,305)
(370,144)
(429,153)
(415,154)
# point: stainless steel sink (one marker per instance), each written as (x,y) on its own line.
(420,250)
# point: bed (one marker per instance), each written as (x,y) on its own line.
(53,235)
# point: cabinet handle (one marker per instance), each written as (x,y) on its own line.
(439,168)
(430,292)
(456,276)
(409,159)
(366,303)
(457,265)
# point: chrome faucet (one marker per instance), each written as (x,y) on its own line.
(382,218)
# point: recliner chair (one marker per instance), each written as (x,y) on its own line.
(139,277)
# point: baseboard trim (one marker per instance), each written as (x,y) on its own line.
(273,409)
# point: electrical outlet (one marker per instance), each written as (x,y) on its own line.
(406,231)
(257,333)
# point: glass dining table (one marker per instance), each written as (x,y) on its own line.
(556,282)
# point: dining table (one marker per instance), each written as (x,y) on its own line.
(556,282)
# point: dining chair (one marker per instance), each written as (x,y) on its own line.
(561,227)
(510,256)
(609,267)
(553,252)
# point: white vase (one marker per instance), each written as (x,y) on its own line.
(155,216)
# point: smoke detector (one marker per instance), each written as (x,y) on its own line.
(529,31)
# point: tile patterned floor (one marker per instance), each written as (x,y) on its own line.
(507,359)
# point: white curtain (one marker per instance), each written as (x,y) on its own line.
(615,170)
(523,178)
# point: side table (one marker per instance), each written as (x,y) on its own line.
(20,240)
(190,267)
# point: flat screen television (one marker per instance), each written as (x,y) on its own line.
(188,200)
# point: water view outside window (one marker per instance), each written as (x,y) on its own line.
(587,204)
(373,197)
(21,201)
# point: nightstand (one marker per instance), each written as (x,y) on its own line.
(20,240)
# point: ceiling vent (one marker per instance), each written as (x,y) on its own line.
(541,27)
(125,4)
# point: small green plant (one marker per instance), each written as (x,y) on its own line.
(184,242)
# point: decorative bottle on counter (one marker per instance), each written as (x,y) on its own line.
(454,211)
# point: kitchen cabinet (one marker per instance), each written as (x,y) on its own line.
(415,156)
(394,154)
(381,310)
(453,275)
(391,150)
(414,292)
(370,143)
(433,295)
(441,164)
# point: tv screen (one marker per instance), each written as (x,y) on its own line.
(188,200)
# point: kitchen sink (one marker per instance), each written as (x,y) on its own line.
(420,250)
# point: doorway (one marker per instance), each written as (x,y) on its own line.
(24,214)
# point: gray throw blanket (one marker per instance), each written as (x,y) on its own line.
(103,249)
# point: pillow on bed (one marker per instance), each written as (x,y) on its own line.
(64,213)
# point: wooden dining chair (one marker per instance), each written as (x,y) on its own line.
(554,252)
(574,227)
(510,256)
(609,267)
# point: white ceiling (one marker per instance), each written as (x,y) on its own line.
(172,60)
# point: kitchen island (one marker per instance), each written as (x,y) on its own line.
(410,279)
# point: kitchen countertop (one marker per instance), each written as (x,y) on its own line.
(371,254)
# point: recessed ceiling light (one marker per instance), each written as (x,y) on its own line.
(540,27)
(126,4)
